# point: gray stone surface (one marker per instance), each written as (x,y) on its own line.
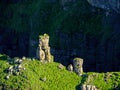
(43,51)
(78,66)
(70,67)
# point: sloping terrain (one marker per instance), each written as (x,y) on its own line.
(37,76)
(48,76)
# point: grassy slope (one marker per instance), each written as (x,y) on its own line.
(104,81)
(56,79)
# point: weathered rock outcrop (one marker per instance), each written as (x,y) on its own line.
(43,51)
(78,66)
(106,4)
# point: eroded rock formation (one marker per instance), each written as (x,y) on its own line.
(77,64)
(43,51)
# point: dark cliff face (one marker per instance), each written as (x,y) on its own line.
(100,52)
(11,1)
(76,30)
(109,50)
(99,55)
(12,43)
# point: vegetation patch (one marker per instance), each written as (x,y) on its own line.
(49,76)
(38,75)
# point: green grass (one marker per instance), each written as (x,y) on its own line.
(56,79)
(104,81)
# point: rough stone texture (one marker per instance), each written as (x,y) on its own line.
(40,54)
(78,65)
(60,66)
(43,51)
(70,67)
(88,87)
(106,4)
(16,67)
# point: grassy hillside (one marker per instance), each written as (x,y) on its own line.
(104,81)
(38,76)
(47,76)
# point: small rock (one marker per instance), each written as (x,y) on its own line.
(88,87)
(8,76)
(23,58)
(17,73)
(11,67)
(16,61)
(20,66)
(43,79)
(33,59)
(19,61)
(10,70)
(60,66)
(24,68)
(70,67)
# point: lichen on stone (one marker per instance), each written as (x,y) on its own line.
(43,50)
(78,65)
